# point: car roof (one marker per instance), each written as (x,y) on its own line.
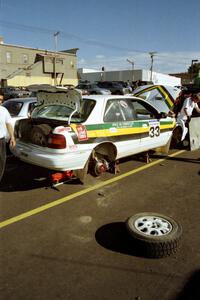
(105,97)
(100,98)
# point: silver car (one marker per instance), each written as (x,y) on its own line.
(20,108)
(93,89)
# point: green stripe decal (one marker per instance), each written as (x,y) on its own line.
(128,124)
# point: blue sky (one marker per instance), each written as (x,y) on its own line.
(107,32)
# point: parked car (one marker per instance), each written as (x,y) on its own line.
(68,132)
(116,88)
(20,108)
(14,92)
(93,89)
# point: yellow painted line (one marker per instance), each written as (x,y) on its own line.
(82,192)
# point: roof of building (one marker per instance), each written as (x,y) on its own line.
(70,51)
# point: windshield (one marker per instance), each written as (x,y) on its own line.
(63,112)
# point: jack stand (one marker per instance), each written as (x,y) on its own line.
(147,158)
(144,156)
(114,167)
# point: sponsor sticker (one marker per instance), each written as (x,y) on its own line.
(81,133)
(62,129)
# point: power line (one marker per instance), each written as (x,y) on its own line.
(162,55)
(177,62)
(66,35)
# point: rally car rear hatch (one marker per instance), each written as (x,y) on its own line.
(54,95)
(37,128)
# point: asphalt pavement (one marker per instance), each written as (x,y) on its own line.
(70,241)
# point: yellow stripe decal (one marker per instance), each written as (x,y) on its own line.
(167,97)
(116,131)
(122,131)
(82,192)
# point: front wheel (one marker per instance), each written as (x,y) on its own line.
(155,235)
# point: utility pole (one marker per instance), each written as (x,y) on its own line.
(56,47)
(151,68)
(132,67)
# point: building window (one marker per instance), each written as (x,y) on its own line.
(8,57)
(24,58)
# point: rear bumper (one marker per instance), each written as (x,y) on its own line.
(54,161)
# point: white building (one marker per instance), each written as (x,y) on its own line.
(131,75)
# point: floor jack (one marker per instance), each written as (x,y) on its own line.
(59,178)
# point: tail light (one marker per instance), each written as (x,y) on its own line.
(56,141)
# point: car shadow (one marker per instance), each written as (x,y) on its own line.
(115,237)
(182,159)
(19,176)
(191,289)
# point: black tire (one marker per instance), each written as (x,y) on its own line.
(153,234)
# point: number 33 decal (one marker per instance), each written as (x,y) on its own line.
(154,131)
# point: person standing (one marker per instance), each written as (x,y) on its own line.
(184,116)
(1,98)
(5,126)
(189,105)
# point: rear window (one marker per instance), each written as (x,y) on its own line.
(63,112)
(13,107)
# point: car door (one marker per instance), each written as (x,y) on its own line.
(156,131)
(159,96)
(123,129)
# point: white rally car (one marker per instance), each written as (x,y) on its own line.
(68,132)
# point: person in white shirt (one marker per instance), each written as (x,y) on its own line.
(186,111)
(189,105)
(5,126)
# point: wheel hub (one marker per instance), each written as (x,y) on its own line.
(101,166)
(153,226)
